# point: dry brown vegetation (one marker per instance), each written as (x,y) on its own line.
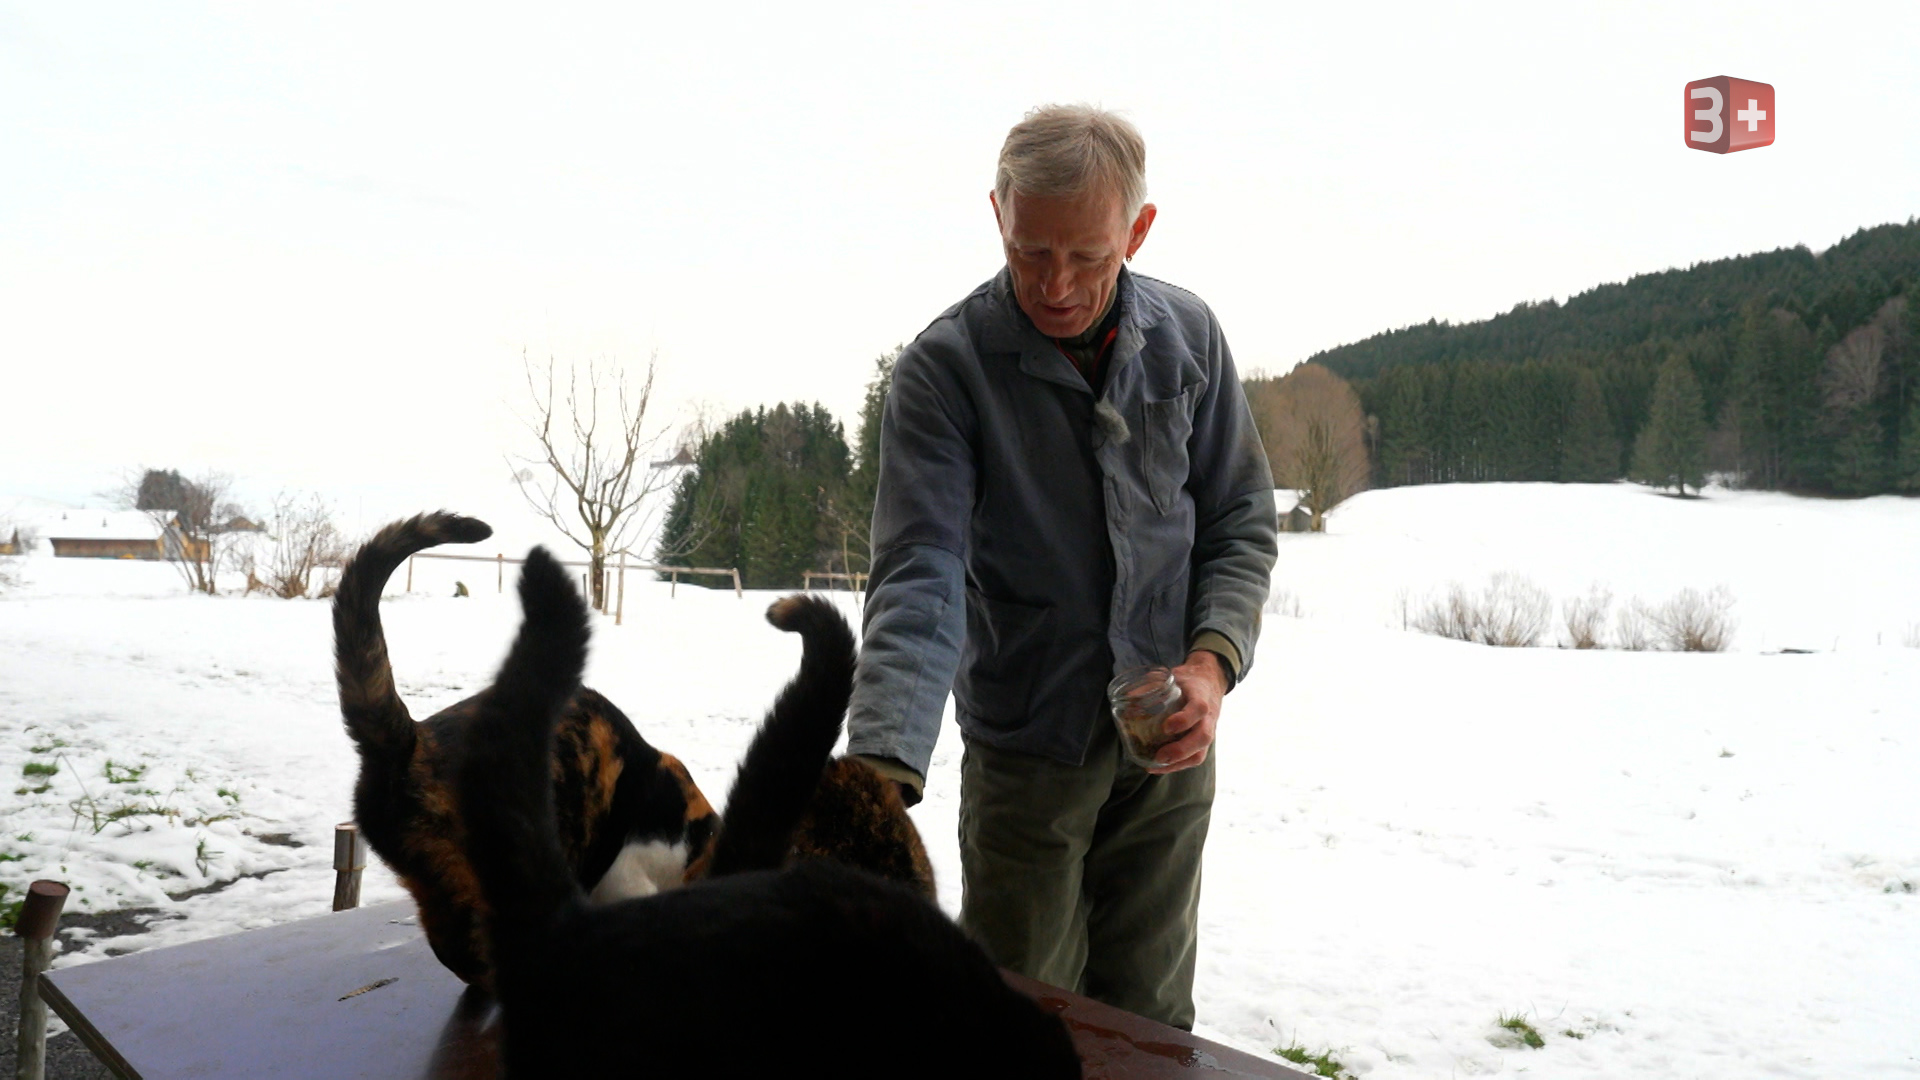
(1315,434)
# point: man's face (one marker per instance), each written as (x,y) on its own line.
(1065,255)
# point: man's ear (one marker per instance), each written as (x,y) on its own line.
(1137,235)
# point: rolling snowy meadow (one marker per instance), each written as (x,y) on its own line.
(1649,862)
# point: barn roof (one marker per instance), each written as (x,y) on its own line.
(105,525)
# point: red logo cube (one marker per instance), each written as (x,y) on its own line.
(1725,114)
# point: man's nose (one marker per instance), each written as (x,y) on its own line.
(1056,282)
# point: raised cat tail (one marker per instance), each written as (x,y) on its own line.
(375,716)
(505,784)
(783,765)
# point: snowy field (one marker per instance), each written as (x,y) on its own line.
(1689,865)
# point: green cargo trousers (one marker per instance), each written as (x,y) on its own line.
(1087,877)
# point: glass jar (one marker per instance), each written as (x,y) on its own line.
(1142,699)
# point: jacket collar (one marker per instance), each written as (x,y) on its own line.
(1008,329)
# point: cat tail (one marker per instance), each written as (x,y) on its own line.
(505,782)
(782,767)
(375,716)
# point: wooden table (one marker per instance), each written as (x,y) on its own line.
(359,995)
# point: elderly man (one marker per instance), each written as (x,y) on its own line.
(1070,485)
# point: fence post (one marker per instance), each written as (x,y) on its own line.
(39,916)
(736,583)
(620,605)
(349,859)
(499,572)
(409,573)
(673,589)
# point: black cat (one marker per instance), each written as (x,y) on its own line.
(754,971)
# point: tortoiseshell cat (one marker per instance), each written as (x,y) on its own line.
(630,818)
(755,971)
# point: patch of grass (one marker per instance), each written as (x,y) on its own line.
(41,790)
(11,856)
(203,856)
(143,864)
(40,768)
(1525,1033)
(48,747)
(1902,887)
(1572,1034)
(228,793)
(1322,1064)
(25,838)
(124,774)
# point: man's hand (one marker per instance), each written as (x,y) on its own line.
(1202,684)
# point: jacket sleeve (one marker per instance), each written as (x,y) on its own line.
(1235,528)
(915,620)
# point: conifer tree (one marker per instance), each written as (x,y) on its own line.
(1672,449)
(1589,452)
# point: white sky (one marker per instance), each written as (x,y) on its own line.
(308,246)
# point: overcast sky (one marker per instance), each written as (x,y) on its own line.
(309,246)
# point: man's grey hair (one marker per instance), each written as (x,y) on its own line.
(1060,151)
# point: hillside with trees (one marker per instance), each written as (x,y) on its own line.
(1802,372)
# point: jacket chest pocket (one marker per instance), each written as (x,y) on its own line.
(1169,424)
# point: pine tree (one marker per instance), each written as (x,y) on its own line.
(762,483)
(1672,449)
(1589,452)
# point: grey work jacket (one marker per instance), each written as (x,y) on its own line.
(1024,551)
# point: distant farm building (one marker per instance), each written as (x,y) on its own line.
(11,545)
(118,534)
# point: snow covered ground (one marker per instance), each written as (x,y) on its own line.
(1667,864)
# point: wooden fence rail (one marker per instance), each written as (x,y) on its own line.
(620,569)
(857,581)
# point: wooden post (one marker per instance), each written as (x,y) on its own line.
(409,573)
(39,916)
(349,859)
(736,583)
(500,573)
(673,588)
(620,605)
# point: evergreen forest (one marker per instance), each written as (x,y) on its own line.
(1783,370)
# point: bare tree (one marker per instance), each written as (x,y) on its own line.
(192,516)
(1316,437)
(1854,369)
(301,539)
(592,476)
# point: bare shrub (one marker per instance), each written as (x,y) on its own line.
(1632,629)
(1284,602)
(1586,618)
(1514,612)
(1511,612)
(1694,621)
(1449,616)
(303,539)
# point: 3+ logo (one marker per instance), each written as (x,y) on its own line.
(1725,114)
